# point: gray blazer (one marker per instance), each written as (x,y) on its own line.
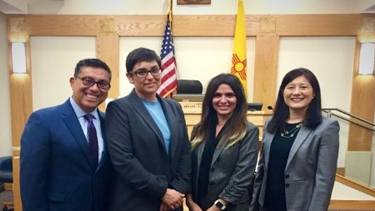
(232,170)
(143,169)
(310,169)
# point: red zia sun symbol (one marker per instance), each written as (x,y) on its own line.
(238,67)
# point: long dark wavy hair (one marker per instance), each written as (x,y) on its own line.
(313,114)
(237,129)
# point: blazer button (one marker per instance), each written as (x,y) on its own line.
(286,185)
(212,183)
(212,169)
(287,176)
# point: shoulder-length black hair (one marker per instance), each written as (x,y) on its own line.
(237,121)
(313,114)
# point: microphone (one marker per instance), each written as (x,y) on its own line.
(271,108)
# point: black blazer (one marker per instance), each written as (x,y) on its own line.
(143,168)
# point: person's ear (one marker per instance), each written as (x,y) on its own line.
(72,81)
(130,77)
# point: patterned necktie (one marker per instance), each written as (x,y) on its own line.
(93,139)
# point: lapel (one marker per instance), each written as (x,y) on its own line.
(141,109)
(173,125)
(71,121)
(102,160)
(217,152)
(301,137)
(200,150)
(268,137)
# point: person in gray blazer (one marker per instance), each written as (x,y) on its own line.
(300,148)
(147,141)
(225,148)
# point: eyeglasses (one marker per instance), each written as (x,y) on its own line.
(144,72)
(88,81)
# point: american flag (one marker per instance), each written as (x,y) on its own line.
(168,63)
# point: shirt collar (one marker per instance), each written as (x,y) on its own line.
(79,112)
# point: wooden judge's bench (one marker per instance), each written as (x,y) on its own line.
(192,111)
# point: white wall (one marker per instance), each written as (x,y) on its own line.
(53,62)
(5,124)
(331,60)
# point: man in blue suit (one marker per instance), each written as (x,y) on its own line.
(64,161)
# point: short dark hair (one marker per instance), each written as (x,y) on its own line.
(314,111)
(141,55)
(91,63)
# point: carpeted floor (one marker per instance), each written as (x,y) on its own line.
(5,196)
(8,196)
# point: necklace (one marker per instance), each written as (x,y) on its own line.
(292,132)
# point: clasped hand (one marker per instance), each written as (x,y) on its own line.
(171,200)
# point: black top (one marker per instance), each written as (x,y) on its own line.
(205,167)
(279,153)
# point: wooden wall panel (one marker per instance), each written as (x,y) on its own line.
(352,205)
(107,49)
(363,93)
(19,84)
(16,178)
(60,25)
(265,69)
(192,25)
(362,104)
(184,25)
(319,25)
(21,104)
(140,25)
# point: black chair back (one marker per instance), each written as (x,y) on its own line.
(189,87)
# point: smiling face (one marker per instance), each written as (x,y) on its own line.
(298,94)
(145,87)
(89,97)
(224,101)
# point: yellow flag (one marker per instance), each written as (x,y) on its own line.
(239,63)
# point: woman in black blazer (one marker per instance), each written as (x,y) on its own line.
(299,152)
(224,149)
(147,141)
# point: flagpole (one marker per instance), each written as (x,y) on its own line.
(170,13)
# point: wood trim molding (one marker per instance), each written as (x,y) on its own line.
(16,178)
(107,49)
(265,69)
(352,205)
(193,25)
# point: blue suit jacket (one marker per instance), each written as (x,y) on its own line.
(56,170)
